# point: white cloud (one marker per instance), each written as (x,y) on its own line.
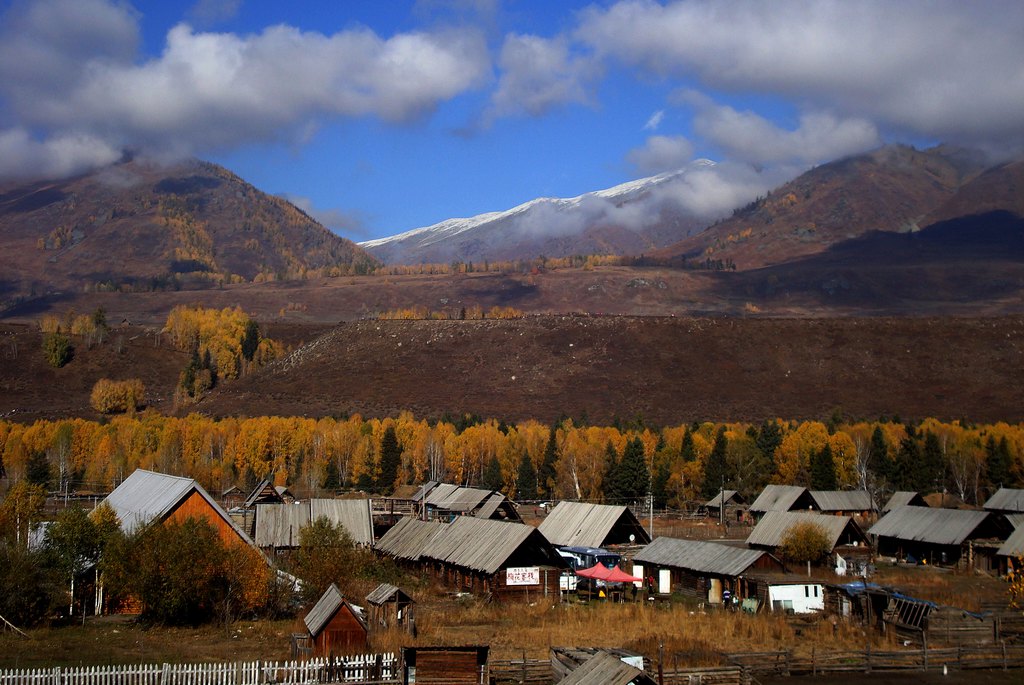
(69,66)
(661,153)
(944,69)
(655,121)
(22,157)
(749,137)
(211,12)
(539,74)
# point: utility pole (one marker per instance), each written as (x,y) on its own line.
(721,504)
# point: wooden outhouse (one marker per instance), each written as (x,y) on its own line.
(335,626)
(390,607)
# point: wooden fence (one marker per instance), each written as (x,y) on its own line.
(960,658)
(526,671)
(364,668)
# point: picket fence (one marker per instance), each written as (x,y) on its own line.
(363,668)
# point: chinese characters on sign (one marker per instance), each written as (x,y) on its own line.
(525,575)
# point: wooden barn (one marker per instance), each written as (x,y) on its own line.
(506,561)
(703,570)
(390,607)
(147,497)
(446,665)
(735,506)
(278,525)
(771,530)
(844,502)
(904,498)
(446,500)
(943,537)
(782,498)
(578,524)
(335,627)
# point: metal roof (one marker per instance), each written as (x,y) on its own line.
(490,506)
(485,545)
(353,514)
(264,490)
(696,555)
(588,525)
(728,495)
(924,524)
(606,669)
(1015,520)
(408,538)
(278,525)
(903,498)
(1014,545)
(384,592)
(777,498)
(477,544)
(771,529)
(1006,499)
(843,500)
(457,498)
(147,496)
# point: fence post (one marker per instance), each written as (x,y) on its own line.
(56,674)
(814,662)
(924,648)
(1003,643)
(868,669)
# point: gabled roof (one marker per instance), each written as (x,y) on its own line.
(843,500)
(476,544)
(325,609)
(777,498)
(1006,499)
(278,525)
(703,557)
(606,669)
(408,538)
(581,524)
(485,545)
(263,493)
(148,496)
(1014,545)
(770,530)
(936,526)
(904,498)
(384,592)
(730,496)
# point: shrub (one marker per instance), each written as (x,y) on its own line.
(805,542)
(57,349)
(110,397)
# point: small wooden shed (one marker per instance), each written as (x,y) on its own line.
(389,607)
(446,665)
(335,626)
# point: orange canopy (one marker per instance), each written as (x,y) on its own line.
(610,575)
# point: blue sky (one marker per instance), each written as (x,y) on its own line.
(379,117)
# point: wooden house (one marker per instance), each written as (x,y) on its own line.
(390,607)
(782,498)
(446,665)
(446,500)
(771,530)
(1006,501)
(703,570)
(735,506)
(944,537)
(857,503)
(506,561)
(278,525)
(579,524)
(336,627)
(147,497)
(904,498)
(232,497)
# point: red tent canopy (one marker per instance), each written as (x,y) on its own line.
(610,575)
